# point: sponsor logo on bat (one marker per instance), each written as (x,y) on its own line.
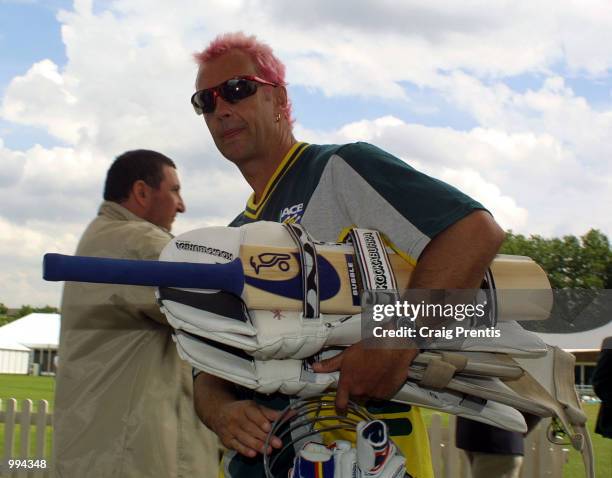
(191,246)
(292,288)
(350,266)
(378,267)
(270,259)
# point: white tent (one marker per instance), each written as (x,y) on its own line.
(585,346)
(30,339)
(589,340)
(14,358)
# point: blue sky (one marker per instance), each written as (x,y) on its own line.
(511,103)
(29,32)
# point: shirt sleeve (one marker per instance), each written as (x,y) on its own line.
(379,191)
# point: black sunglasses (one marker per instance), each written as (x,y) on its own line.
(232,91)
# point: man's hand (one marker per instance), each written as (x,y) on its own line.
(243,425)
(367,372)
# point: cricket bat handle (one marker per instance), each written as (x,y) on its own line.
(100,270)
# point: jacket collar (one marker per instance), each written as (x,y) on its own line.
(117,212)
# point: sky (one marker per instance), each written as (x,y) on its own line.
(511,102)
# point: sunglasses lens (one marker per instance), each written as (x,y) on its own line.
(237,89)
(232,91)
(204,100)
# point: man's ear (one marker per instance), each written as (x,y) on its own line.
(280,97)
(141,192)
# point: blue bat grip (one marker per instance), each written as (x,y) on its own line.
(227,277)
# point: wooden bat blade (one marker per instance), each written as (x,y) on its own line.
(523,289)
(272,276)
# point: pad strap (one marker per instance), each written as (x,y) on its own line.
(309,268)
(439,371)
(437,374)
(373,260)
(459,361)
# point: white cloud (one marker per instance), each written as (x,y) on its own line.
(12,165)
(505,208)
(21,251)
(42,98)
(58,184)
(212,197)
(553,109)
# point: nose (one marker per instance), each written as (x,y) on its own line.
(180,207)
(222,107)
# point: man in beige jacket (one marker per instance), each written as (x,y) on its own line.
(123,404)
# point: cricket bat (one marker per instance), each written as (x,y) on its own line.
(260,263)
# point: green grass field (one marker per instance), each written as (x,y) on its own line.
(42,388)
(602,450)
(25,386)
(574,468)
(22,387)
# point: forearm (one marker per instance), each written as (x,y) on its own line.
(210,393)
(241,425)
(459,256)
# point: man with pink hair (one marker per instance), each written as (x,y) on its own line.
(450,238)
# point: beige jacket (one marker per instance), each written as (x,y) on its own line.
(123,402)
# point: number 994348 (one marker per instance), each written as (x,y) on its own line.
(26,464)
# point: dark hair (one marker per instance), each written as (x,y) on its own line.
(132,166)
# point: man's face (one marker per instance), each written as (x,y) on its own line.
(165,201)
(244,130)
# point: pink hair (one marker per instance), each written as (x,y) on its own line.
(268,66)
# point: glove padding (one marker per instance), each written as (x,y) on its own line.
(263,334)
(286,334)
(295,377)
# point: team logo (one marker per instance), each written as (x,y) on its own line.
(292,288)
(270,259)
(292,213)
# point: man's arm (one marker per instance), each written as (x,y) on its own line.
(457,258)
(241,425)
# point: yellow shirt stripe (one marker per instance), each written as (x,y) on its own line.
(253,209)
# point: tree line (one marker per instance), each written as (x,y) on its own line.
(570,262)
(578,268)
(22,312)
